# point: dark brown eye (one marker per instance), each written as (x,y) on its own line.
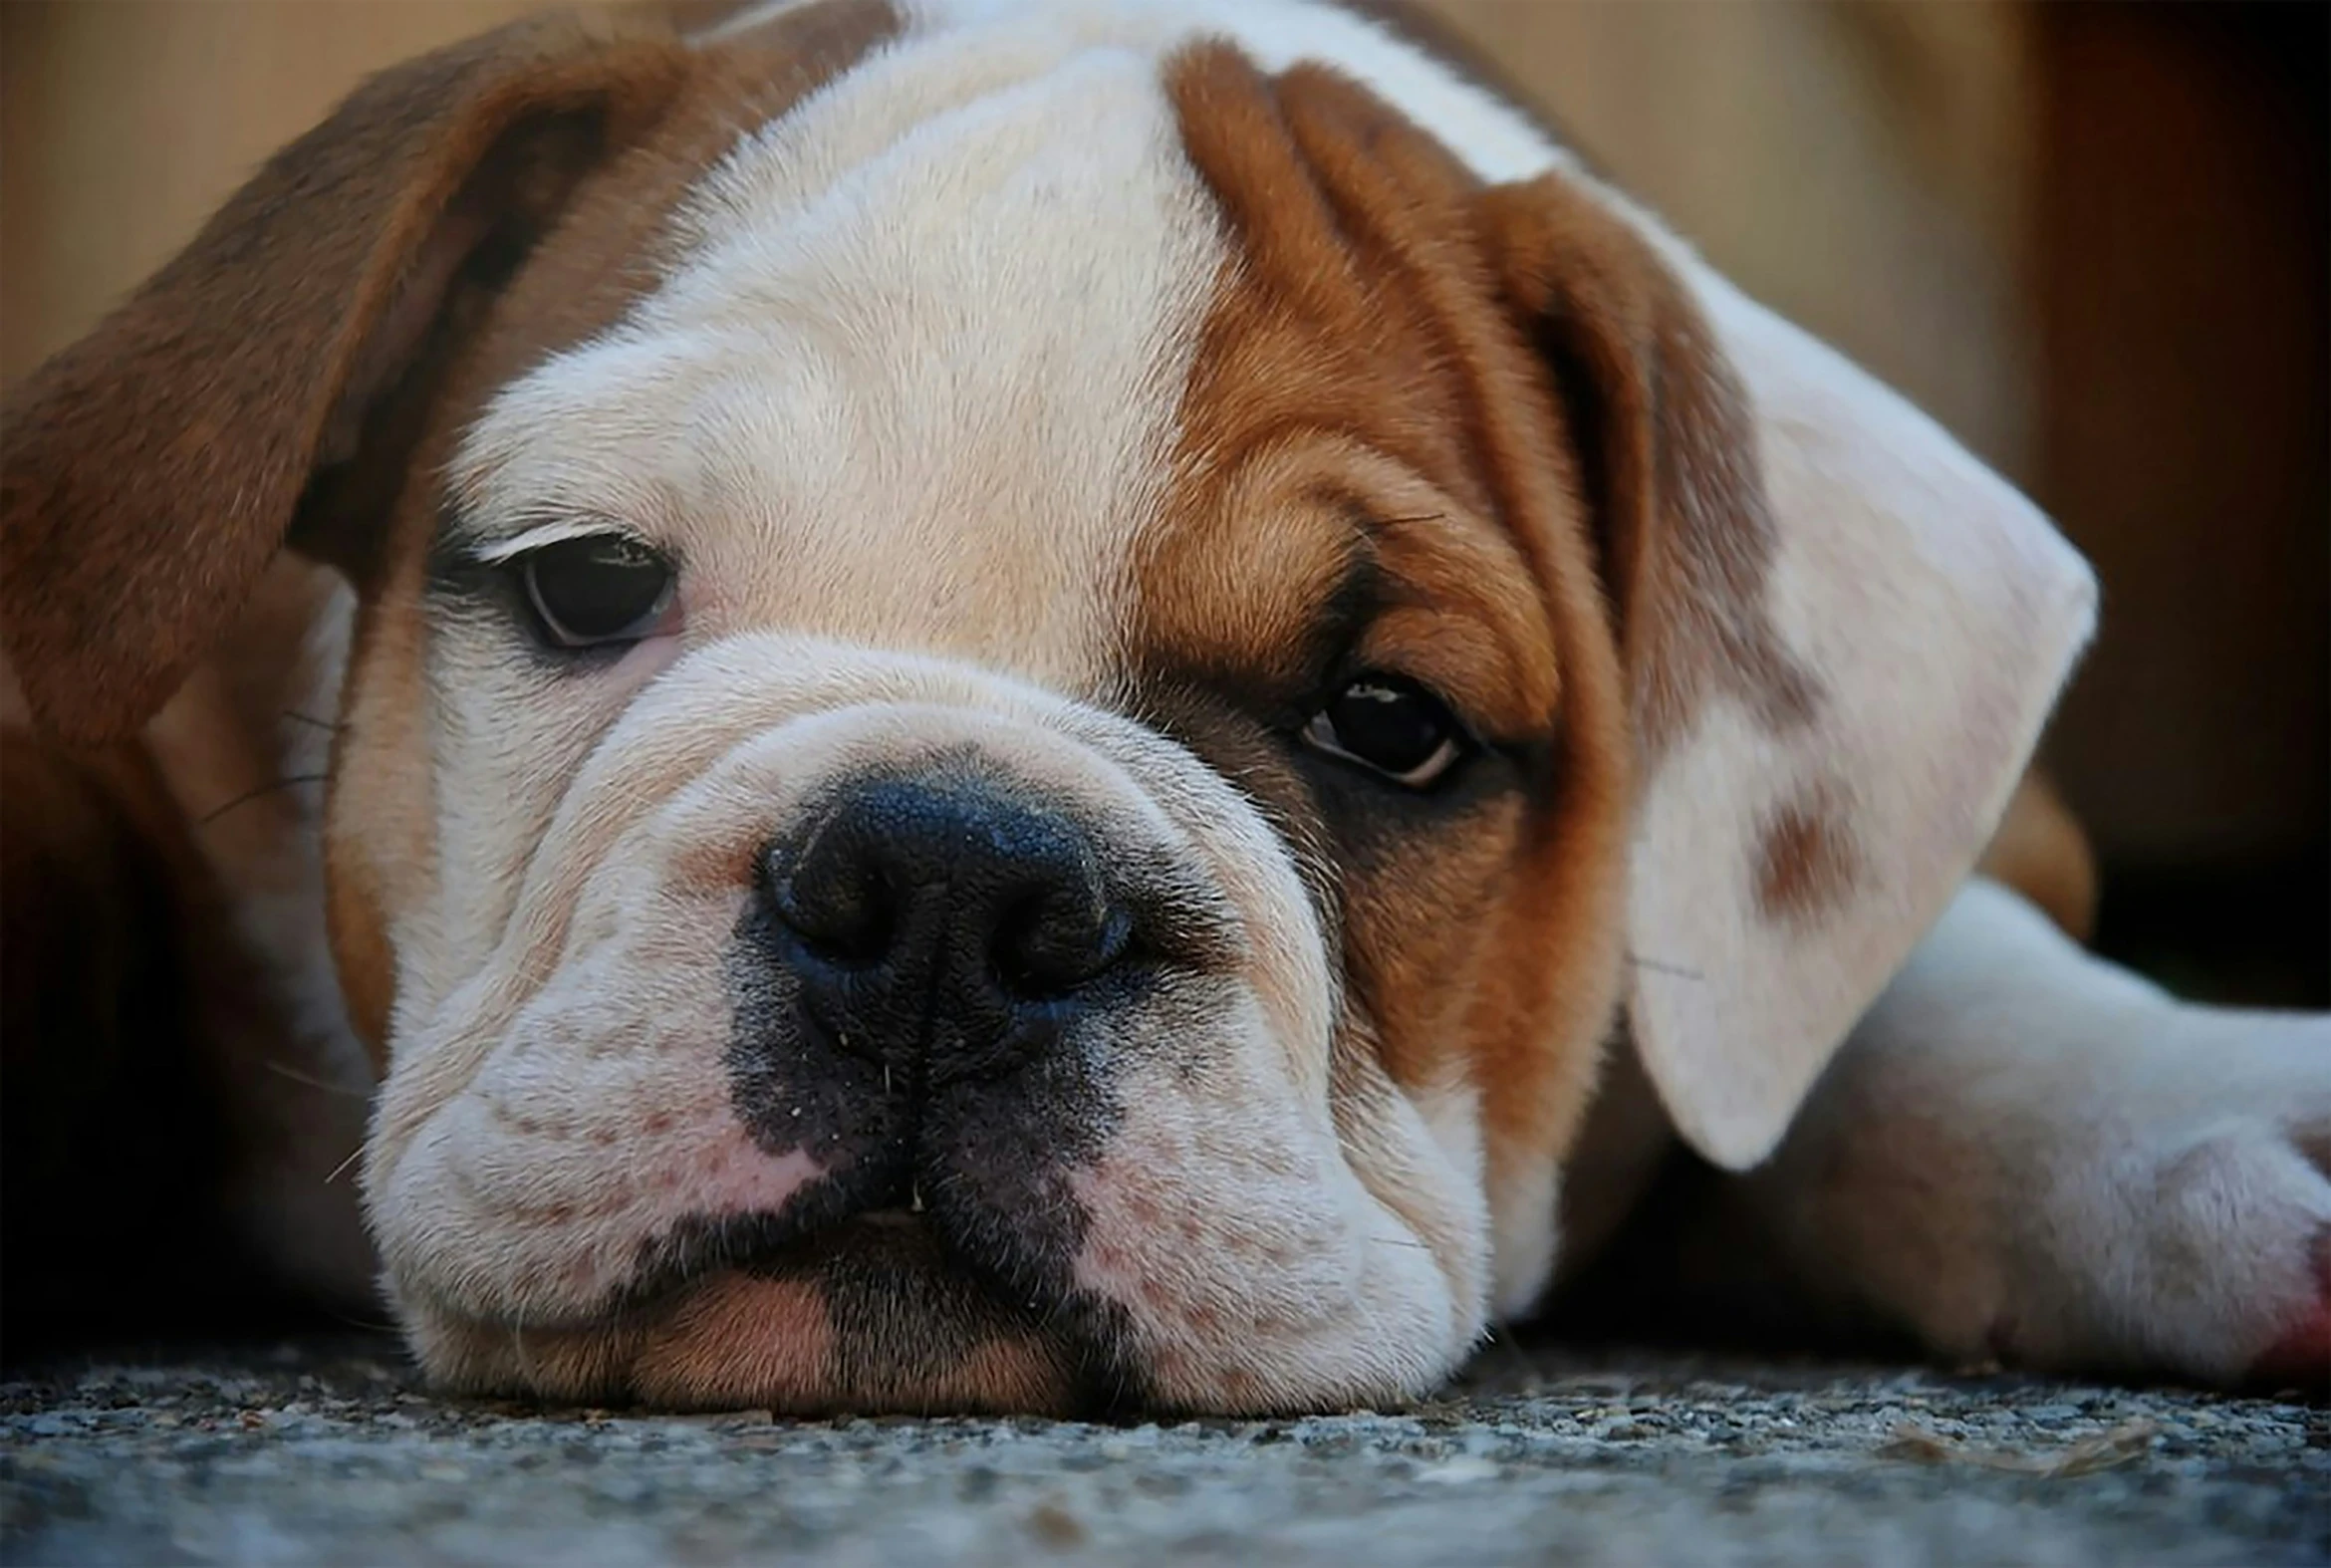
(1391,726)
(596,589)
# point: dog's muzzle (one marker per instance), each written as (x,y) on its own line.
(929,973)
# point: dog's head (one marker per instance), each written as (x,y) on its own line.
(1025,695)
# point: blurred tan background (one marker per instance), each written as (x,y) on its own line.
(2089,238)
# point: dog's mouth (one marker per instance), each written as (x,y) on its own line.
(902,1242)
(901,1306)
(820,1232)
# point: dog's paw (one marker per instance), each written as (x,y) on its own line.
(2302,1356)
(2026,1154)
(2196,1239)
(2240,1252)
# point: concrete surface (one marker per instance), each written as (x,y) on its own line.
(325,1452)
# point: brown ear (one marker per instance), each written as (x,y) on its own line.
(1841,634)
(1667,454)
(151,470)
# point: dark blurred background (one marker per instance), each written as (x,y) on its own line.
(2088,237)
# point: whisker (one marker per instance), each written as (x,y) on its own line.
(313,1082)
(340,1169)
(324,724)
(1399,1241)
(1656,967)
(250,795)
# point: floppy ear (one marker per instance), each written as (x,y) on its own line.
(240,395)
(1841,634)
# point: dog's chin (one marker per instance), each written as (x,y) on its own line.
(872,1315)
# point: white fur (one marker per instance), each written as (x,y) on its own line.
(1940,613)
(2025,1152)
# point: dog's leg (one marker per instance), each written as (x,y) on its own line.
(2026,1152)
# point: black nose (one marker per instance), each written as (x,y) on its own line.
(945,920)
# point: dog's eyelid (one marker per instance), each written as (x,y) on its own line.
(501,552)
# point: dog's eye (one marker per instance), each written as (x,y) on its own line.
(1391,724)
(596,590)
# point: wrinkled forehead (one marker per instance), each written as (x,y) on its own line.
(911,377)
(921,350)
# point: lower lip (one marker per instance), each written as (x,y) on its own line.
(893,1238)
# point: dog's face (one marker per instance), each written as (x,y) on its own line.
(1018,687)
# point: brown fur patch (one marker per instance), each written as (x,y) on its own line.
(1362,410)
(155,466)
(737,1340)
(1687,533)
(1806,862)
(379,835)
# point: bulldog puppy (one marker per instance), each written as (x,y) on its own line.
(1009,700)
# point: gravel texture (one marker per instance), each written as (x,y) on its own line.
(327,1451)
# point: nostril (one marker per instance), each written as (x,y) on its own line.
(946,923)
(1054,939)
(838,906)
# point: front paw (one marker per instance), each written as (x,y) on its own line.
(2197,1238)
(2301,1357)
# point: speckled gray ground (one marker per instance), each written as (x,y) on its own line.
(325,1452)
